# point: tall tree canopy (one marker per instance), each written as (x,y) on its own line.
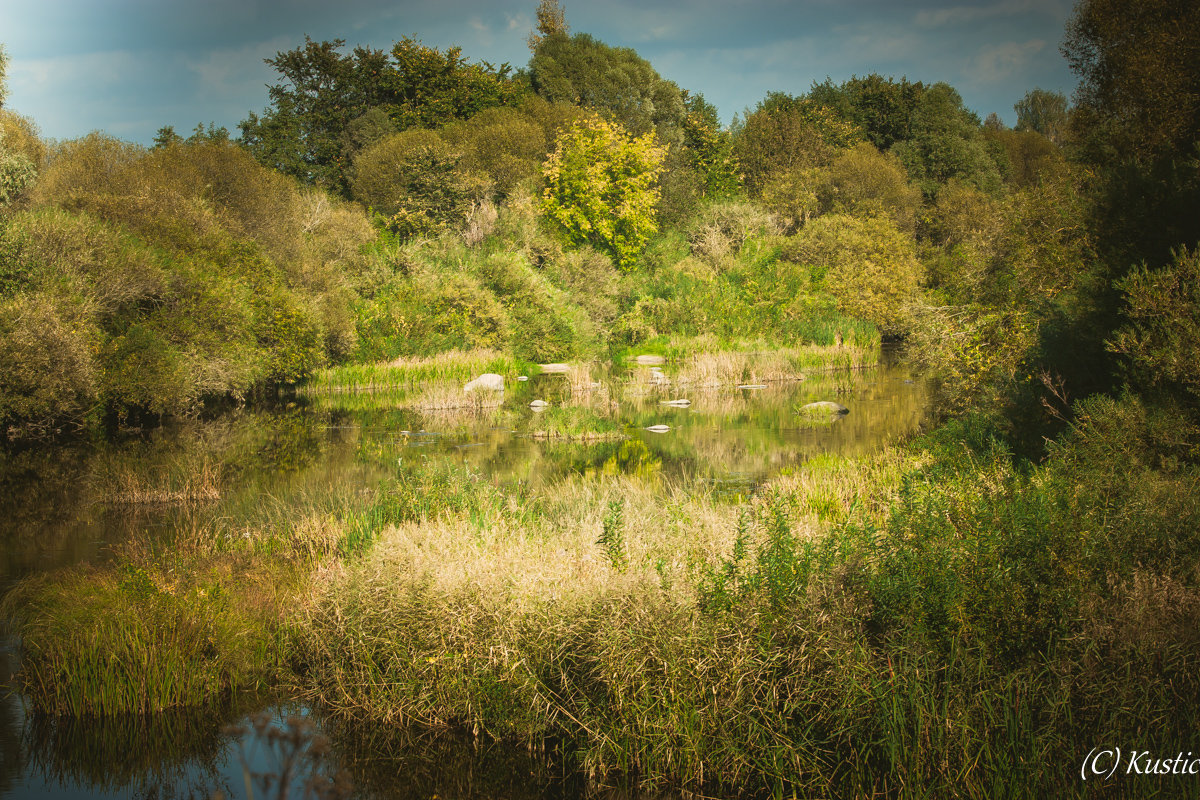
(315,122)
(1139,86)
(1043,111)
(882,107)
(615,81)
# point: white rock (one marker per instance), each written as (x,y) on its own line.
(487,382)
(659,428)
(539,405)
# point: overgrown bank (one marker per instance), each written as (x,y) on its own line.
(940,618)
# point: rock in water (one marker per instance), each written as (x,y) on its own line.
(824,407)
(539,405)
(487,382)
(676,403)
(659,428)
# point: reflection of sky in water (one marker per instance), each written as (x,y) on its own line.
(55,509)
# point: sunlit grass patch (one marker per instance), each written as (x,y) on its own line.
(453,367)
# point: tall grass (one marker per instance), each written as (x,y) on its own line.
(455,366)
(941,620)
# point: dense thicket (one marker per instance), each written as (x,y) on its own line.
(1003,576)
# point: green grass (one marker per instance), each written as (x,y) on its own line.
(410,374)
(942,619)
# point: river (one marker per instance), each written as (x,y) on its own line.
(68,503)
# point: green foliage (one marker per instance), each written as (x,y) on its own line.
(1160,341)
(601,187)
(319,111)
(614,81)
(869,265)
(21,153)
(1044,112)
(413,179)
(721,228)
(1138,96)
(945,143)
(612,536)
(859,181)
(977,353)
(1024,157)
(709,150)
(882,107)
(48,375)
(505,144)
(785,134)
(189,271)
(1135,125)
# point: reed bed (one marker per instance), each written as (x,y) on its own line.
(939,620)
(452,367)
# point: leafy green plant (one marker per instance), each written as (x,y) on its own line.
(612,536)
(601,187)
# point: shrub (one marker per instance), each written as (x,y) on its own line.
(869,265)
(1161,342)
(601,187)
(722,227)
(48,375)
(414,179)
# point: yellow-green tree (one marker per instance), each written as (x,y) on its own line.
(869,265)
(602,187)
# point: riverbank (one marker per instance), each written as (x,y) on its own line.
(938,617)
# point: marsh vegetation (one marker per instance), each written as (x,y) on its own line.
(243,467)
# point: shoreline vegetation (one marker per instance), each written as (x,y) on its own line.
(966,613)
(859,625)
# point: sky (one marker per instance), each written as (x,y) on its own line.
(128,67)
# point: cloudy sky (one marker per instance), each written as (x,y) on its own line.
(128,67)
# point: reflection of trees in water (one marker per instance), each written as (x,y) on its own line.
(399,764)
(12,761)
(170,754)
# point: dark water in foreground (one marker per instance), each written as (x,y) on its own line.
(67,504)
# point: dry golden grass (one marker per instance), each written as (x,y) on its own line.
(131,487)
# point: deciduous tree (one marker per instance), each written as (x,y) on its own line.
(602,187)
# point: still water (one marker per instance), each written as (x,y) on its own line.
(67,504)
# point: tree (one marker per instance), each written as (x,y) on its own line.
(946,143)
(601,187)
(881,107)
(1136,122)
(614,81)
(309,130)
(708,149)
(551,21)
(165,137)
(786,133)
(1161,341)
(3,75)
(1043,111)
(1139,88)
(869,265)
(413,179)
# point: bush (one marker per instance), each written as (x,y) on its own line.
(869,265)
(722,227)
(415,180)
(1161,342)
(48,375)
(601,187)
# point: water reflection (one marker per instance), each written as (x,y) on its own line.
(63,505)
